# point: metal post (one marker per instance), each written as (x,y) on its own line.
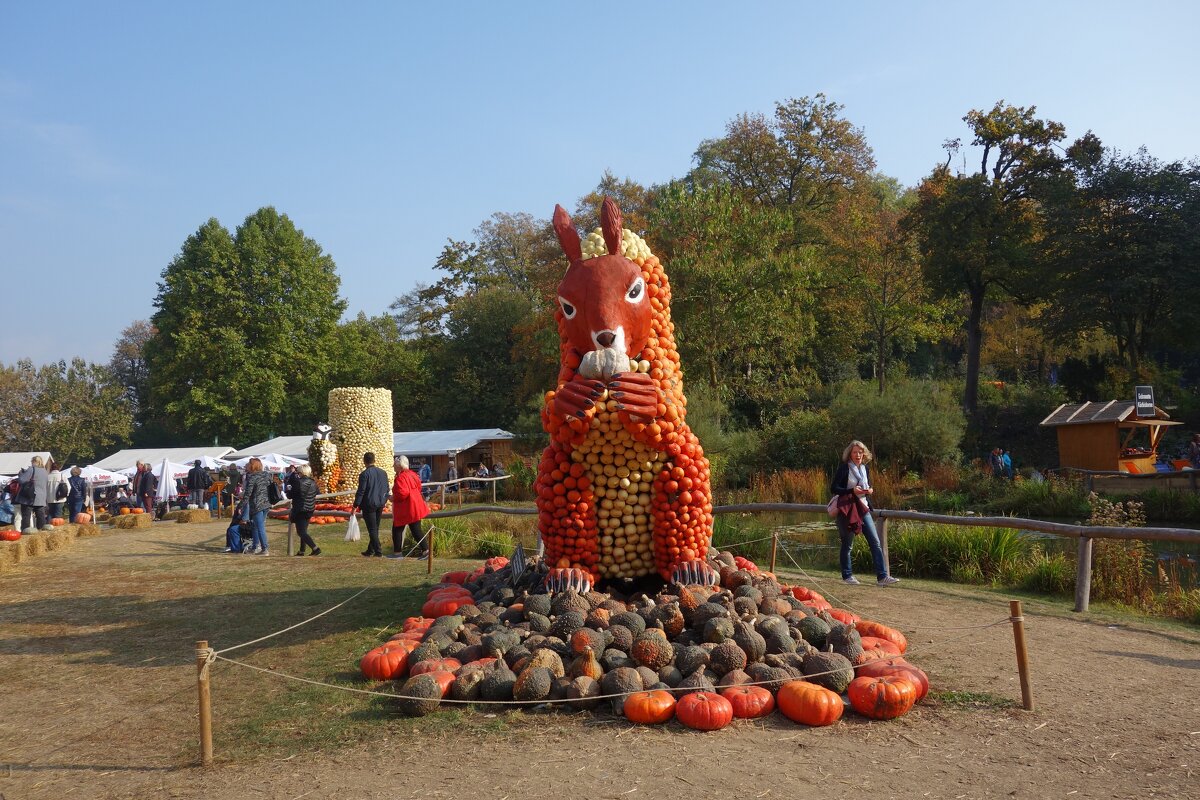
(429,551)
(774,547)
(494,482)
(1018,623)
(205,698)
(1083,574)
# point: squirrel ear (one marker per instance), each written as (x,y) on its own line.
(611,223)
(568,237)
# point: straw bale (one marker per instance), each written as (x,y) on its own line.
(130,521)
(87,530)
(172,515)
(194,515)
(11,554)
(103,516)
(35,544)
(58,539)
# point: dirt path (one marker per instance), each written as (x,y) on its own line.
(1117,707)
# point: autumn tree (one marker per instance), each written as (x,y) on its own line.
(246,328)
(977,230)
(75,410)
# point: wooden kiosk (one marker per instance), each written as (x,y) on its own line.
(1108,437)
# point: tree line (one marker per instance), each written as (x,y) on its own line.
(1022,271)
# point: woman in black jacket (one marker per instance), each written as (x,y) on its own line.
(302,490)
(852,485)
(257,500)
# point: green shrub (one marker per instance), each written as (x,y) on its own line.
(799,440)
(1049,573)
(914,422)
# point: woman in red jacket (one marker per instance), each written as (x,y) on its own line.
(408,507)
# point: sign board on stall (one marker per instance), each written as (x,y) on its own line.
(1144,401)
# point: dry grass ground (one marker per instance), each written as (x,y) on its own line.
(98,696)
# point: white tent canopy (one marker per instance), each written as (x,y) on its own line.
(272,462)
(12,463)
(173,471)
(99,478)
(126,459)
(294,446)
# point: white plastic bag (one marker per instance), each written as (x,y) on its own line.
(352,534)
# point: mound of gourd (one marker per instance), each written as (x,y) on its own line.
(701,654)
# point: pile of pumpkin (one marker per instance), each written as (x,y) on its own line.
(703,655)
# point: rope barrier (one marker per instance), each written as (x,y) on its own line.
(298,624)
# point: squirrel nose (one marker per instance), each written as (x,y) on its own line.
(606,338)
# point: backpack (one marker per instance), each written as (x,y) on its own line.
(273,493)
(62,491)
(26,494)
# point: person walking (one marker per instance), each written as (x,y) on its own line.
(302,490)
(1006,463)
(256,502)
(852,485)
(1194,451)
(57,491)
(77,496)
(146,489)
(370,499)
(198,481)
(408,508)
(32,495)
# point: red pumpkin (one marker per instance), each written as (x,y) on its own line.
(704,711)
(843,616)
(885,697)
(886,646)
(809,704)
(444,678)
(455,577)
(898,667)
(10,535)
(749,702)
(434,665)
(868,628)
(440,607)
(649,708)
(384,663)
(412,623)
(804,593)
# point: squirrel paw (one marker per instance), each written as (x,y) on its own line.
(577,397)
(636,394)
(695,572)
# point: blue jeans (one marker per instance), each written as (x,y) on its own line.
(871,535)
(76,508)
(259,523)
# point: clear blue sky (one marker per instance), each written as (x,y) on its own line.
(381,129)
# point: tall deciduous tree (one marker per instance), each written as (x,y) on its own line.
(75,411)
(246,329)
(977,231)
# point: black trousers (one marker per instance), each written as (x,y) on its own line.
(301,524)
(39,515)
(398,537)
(372,516)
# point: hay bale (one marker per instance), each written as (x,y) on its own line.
(58,539)
(103,516)
(11,554)
(173,514)
(194,515)
(131,521)
(35,544)
(87,530)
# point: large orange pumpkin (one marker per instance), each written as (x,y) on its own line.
(83,518)
(809,704)
(57,521)
(125,510)
(704,711)
(139,511)
(749,702)
(384,663)
(898,667)
(10,535)
(885,697)
(649,708)
(868,628)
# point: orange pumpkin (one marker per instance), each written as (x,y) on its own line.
(704,711)
(444,678)
(868,628)
(843,616)
(809,704)
(83,518)
(139,511)
(126,510)
(885,697)
(749,702)
(384,663)
(435,665)
(898,667)
(10,535)
(649,708)
(57,521)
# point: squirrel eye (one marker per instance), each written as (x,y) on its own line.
(635,291)
(567,309)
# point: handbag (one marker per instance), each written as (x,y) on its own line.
(352,534)
(831,507)
(273,493)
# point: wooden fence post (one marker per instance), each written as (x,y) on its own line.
(1018,623)
(429,551)
(205,698)
(774,547)
(291,547)
(1083,574)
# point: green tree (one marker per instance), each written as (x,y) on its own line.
(742,297)
(371,351)
(978,231)
(246,328)
(1125,251)
(75,411)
